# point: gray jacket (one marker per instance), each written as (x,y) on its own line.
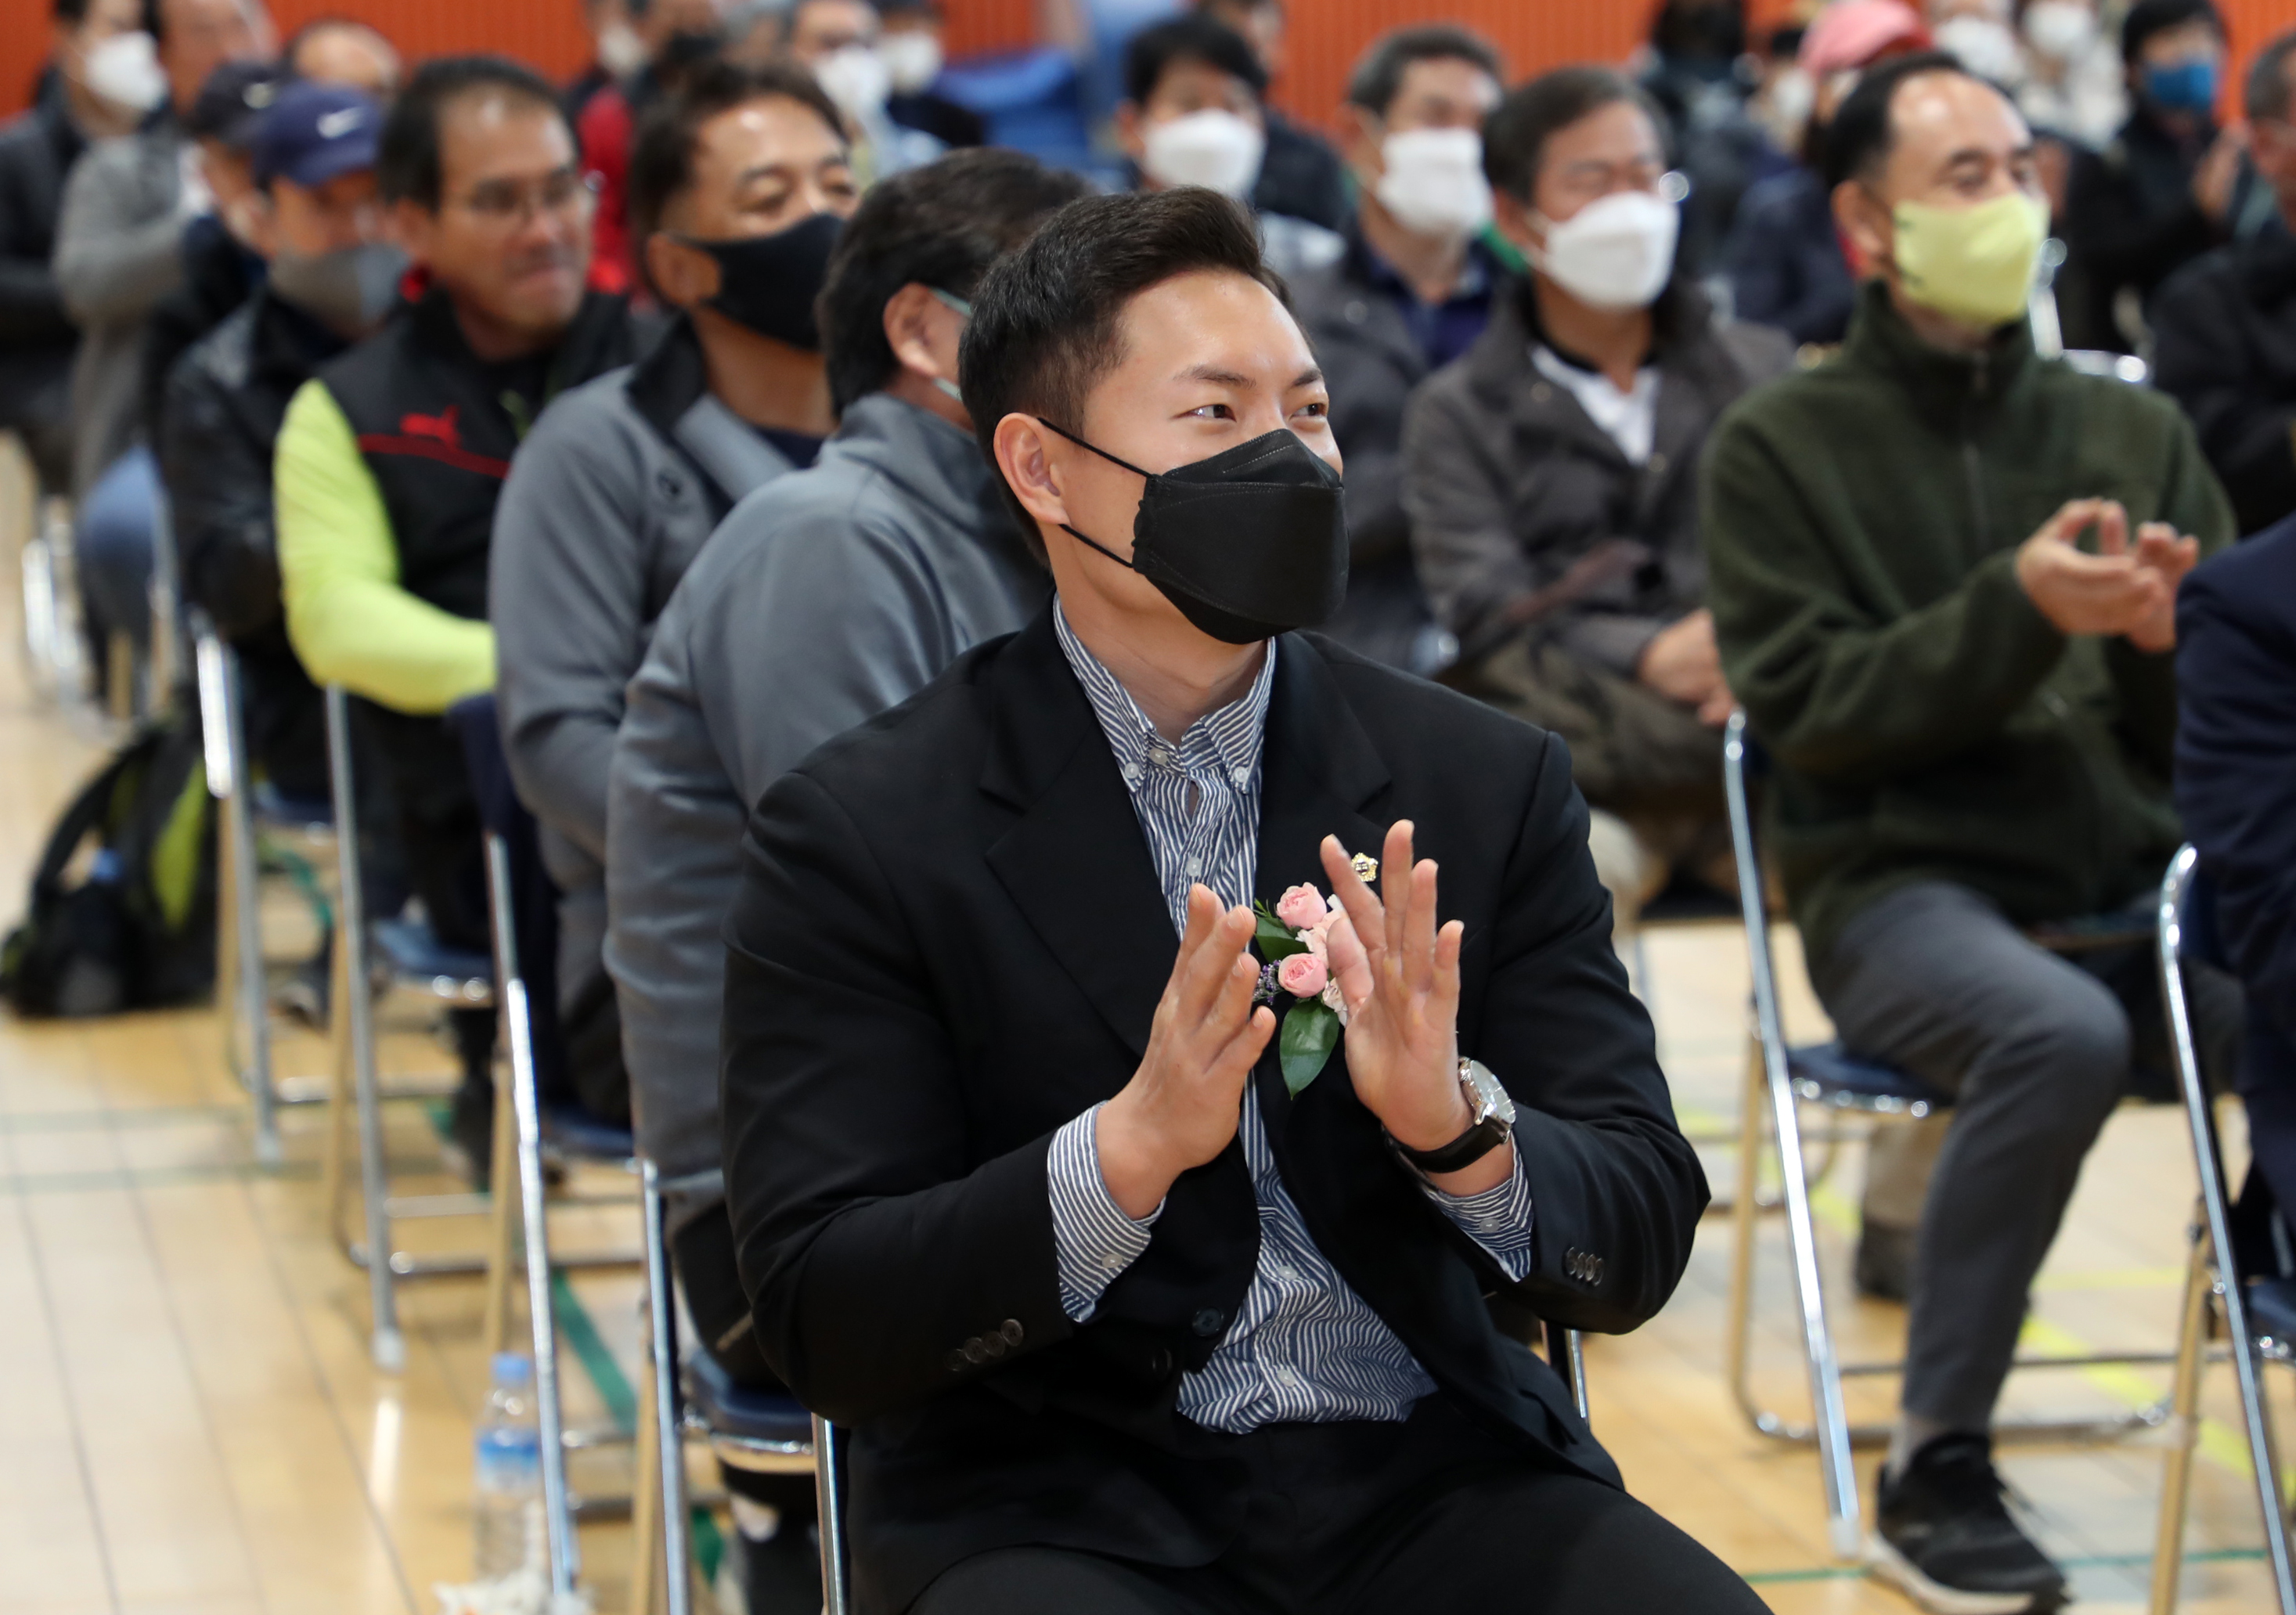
(608,501)
(118,251)
(1509,484)
(824,599)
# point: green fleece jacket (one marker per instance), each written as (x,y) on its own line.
(1924,720)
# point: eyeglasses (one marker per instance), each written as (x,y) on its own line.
(508,202)
(1593,180)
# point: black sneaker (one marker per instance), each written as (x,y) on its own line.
(779,1576)
(1885,1262)
(1945,1536)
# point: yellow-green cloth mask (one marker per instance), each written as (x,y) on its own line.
(1975,263)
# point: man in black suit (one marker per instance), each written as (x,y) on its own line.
(1124,1315)
(2236,792)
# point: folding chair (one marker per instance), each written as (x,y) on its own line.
(1782,1078)
(412,957)
(2186,934)
(246,807)
(765,1431)
(525,1122)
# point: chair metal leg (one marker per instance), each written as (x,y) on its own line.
(502,1216)
(645,1597)
(1829,1414)
(240,986)
(355,1009)
(661,1412)
(836,1595)
(510,997)
(2185,1403)
(2214,1203)
(1566,1351)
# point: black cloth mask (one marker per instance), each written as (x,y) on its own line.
(1248,544)
(768,283)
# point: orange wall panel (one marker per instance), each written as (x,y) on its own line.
(1326,35)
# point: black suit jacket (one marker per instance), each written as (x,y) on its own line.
(2236,776)
(948,940)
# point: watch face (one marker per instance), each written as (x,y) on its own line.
(1490,1096)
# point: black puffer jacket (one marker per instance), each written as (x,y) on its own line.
(225,398)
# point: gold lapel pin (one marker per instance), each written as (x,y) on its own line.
(1366,867)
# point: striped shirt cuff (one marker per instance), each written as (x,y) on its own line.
(1093,1239)
(1499,1219)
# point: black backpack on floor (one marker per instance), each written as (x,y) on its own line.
(138,930)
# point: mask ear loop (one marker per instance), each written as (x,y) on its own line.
(1112,460)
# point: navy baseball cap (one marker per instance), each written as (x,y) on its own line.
(233,101)
(314,132)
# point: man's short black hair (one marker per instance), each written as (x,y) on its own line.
(2267,93)
(1194,37)
(69,13)
(1516,133)
(406,167)
(1865,127)
(1048,322)
(940,225)
(1378,76)
(661,151)
(2147,18)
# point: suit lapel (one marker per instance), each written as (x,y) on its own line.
(1076,863)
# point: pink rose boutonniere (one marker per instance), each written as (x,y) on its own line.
(1295,937)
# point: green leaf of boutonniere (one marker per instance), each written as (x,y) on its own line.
(1310,1033)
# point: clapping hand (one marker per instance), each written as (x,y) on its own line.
(1183,1104)
(2116,590)
(1398,974)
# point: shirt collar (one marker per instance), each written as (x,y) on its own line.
(1476,274)
(1227,741)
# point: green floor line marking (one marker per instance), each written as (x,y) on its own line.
(606,1376)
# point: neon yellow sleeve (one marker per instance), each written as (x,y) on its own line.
(349,621)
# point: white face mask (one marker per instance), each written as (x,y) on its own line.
(911,57)
(1984,45)
(622,50)
(1434,182)
(2059,29)
(1613,253)
(124,70)
(855,78)
(1214,149)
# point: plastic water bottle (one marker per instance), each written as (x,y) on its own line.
(509,1490)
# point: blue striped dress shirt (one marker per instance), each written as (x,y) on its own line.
(1304,1347)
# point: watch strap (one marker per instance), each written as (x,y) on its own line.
(1463,1151)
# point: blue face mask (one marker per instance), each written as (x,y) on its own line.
(2184,87)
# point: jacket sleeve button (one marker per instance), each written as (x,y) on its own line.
(1012,1333)
(1208,1322)
(956,1361)
(974,1351)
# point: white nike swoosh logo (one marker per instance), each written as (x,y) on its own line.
(334,125)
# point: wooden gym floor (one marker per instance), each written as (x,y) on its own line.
(189,1424)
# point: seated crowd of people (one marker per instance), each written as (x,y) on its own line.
(886,549)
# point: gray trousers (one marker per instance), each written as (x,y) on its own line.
(2036,1048)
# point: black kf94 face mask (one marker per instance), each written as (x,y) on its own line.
(1248,544)
(768,283)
